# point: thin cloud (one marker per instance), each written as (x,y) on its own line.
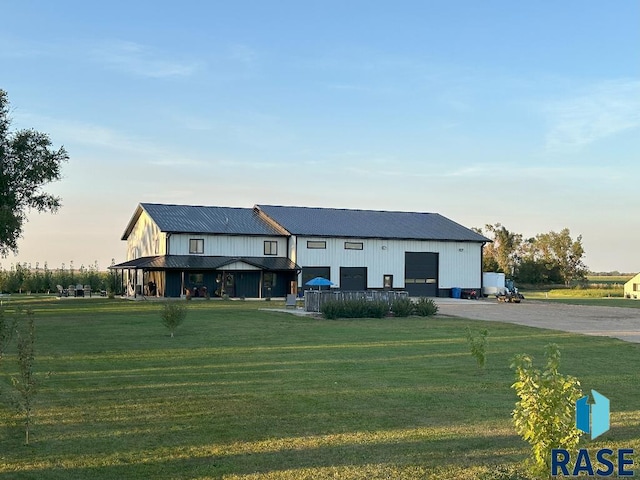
(141,60)
(597,113)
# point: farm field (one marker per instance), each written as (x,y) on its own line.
(242,393)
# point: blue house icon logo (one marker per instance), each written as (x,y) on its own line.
(594,418)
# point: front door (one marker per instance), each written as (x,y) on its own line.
(229,284)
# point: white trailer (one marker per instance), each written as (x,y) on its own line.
(493,283)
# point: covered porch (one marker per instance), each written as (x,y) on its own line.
(208,276)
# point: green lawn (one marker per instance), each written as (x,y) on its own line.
(242,393)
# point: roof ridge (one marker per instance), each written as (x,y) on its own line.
(260,205)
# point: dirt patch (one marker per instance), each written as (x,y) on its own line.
(616,322)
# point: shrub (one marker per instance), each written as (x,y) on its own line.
(425,307)
(402,307)
(545,412)
(377,309)
(333,309)
(173,314)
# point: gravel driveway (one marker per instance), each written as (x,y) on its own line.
(616,322)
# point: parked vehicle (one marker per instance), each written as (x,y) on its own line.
(511,294)
(493,283)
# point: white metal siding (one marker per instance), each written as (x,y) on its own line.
(459,262)
(227,245)
(145,239)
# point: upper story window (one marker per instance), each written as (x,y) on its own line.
(311,244)
(196,245)
(353,245)
(270,247)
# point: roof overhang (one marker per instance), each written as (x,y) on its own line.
(198,262)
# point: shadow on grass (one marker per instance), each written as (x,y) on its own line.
(456,453)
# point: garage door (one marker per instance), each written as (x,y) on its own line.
(309,273)
(353,278)
(421,274)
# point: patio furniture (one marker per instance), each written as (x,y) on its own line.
(291,301)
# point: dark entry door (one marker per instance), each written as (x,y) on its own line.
(353,278)
(247,284)
(229,284)
(421,274)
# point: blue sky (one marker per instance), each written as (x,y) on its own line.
(523,113)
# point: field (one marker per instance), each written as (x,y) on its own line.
(242,393)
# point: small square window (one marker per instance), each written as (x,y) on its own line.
(196,245)
(270,247)
(387,282)
(353,245)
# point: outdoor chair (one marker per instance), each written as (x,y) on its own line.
(87,290)
(291,301)
(79,290)
(62,292)
(71,291)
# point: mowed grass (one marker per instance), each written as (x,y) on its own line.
(244,393)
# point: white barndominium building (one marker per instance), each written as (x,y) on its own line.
(274,250)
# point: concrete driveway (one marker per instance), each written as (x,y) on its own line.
(616,322)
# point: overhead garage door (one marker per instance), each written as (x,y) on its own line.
(309,273)
(421,274)
(353,278)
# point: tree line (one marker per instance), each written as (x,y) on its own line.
(547,258)
(22,278)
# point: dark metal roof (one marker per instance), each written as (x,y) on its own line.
(331,222)
(201,219)
(196,262)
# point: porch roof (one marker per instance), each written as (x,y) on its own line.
(199,262)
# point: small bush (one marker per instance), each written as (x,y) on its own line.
(425,307)
(377,309)
(334,309)
(402,307)
(173,315)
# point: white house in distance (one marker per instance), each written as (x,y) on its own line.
(632,287)
(274,250)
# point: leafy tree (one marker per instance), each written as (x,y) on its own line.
(538,271)
(173,314)
(27,163)
(559,249)
(502,255)
(478,346)
(544,415)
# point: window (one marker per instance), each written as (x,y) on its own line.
(196,245)
(196,278)
(353,245)
(311,244)
(270,247)
(636,287)
(387,281)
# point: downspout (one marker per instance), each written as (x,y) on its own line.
(481,264)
